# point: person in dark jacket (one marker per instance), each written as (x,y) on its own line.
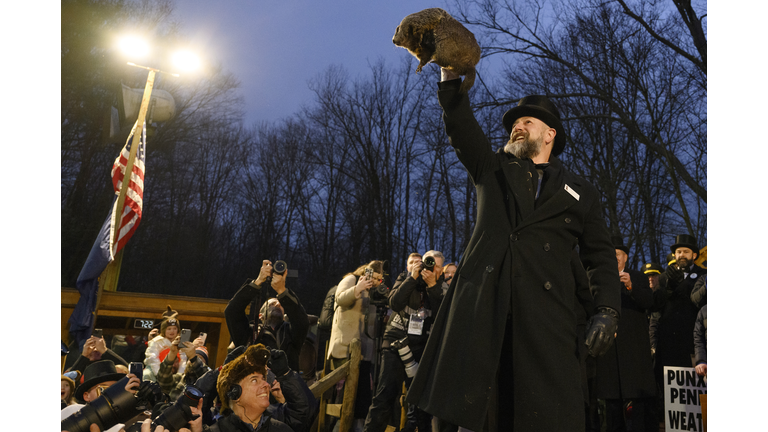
(676,312)
(95,349)
(273,331)
(244,393)
(508,323)
(700,341)
(414,303)
(292,401)
(625,373)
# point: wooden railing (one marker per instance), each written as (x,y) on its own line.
(350,371)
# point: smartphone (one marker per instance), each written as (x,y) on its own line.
(369,273)
(185,335)
(136,368)
(97,333)
(203,336)
(271,377)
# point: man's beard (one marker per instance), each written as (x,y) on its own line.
(525,148)
(683,263)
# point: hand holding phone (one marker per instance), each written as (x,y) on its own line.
(185,336)
(136,368)
(97,333)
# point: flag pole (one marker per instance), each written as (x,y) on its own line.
(111,274)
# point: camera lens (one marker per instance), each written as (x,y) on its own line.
(280,267)
(429,263)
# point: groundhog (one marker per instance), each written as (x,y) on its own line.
(434,35)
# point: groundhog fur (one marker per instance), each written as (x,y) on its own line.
(434,35)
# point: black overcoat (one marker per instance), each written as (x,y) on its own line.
(517,266)
(626,370)
(677,318)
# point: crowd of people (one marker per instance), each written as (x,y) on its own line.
(540,327)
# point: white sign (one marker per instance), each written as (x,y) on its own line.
(682,387)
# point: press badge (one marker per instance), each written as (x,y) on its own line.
(415,325)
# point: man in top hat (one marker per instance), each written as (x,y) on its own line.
(506,331)
(625,373)
(676,311)
(98,377)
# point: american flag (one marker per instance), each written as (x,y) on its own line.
(134,199)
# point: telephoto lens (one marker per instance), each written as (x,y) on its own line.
(406,356)
(429,263)
(115,405)
(178,415)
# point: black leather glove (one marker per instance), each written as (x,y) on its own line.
(601,329)
(235,353)
(674,276)
(207,382)
(278,362)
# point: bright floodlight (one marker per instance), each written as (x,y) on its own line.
(134,47)
(186,61)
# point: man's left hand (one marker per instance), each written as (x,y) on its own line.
(601,330)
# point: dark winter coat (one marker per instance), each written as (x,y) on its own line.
(700,336)
(288,336)
(626,370)
(673,330)
(300,407)
(232,423)
(518,266)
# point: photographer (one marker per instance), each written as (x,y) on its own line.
(273,331)
(414,303)
(98,377)
(354,319)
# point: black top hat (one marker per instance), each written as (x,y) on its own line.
(97,373)
(543,109)
(618,243)
(685,240)
(652,268)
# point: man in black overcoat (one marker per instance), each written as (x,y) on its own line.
(676,311)
(507,325)
(625,373)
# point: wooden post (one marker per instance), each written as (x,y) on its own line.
(350,388)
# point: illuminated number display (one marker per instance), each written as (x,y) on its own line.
(143,323)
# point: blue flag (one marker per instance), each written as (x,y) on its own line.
(81,321)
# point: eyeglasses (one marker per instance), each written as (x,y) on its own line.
(100,389)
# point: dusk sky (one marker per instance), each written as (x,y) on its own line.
(274,48)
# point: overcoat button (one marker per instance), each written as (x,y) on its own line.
(547,285)
(489,269)
(513,237)
(567,220)
(546,247)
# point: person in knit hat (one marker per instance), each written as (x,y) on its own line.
(159,347)
(244,394)
(67,391)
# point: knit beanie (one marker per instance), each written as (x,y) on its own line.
(253,360)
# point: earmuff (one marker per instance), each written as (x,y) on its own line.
(234,392)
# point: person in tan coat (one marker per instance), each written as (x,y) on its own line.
(354,319)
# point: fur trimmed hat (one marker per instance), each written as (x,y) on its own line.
(253,360)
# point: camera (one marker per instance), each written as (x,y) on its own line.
(279,267)
(411,366)
(178,415)
(428,263)
(380,295)
(115,405)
